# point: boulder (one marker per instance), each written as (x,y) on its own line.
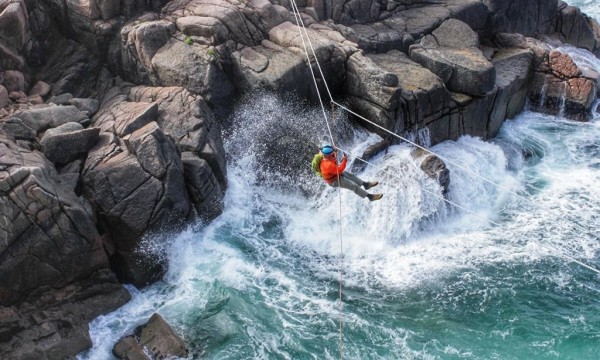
(17,129)
(4,99)
(451,52)
(140,40)
(157,338)
(576,28)
(383,36)
(35,100)
(14,34)
(67,142)
(562,66)
(49,237)
(129,349)
(136,185)
(483,116)
(89,106)
(526,17)
(332,54)
(124,118)
(18,97)
(203,187)
(135,177)
(62,99)
(423,20)
(13,81)
(434,167)
(271,67)
(398,93)
(559,86)
(190,122)
(514,68)
(373,91)
(472,12)
(40,88)
(193,67)
(44,118)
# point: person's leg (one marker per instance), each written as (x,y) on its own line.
(346,183)
(355,179)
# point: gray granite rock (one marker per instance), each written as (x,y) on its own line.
(44,118)
(4,99)
(13,81)
(16,128)
(68,142)
(40,88)
(155,338)
(452,53)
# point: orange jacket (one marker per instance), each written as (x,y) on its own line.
(330,169)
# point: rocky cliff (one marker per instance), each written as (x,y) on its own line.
(107,130)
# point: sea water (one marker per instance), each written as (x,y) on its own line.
(503,276)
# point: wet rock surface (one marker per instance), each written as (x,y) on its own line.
(156,338)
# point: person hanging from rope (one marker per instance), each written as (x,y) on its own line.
(325,165)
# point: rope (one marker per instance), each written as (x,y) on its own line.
(341,304)
(296,10)
(298,21)
(438,155)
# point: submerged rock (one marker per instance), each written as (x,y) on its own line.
(155,338)
(434,167)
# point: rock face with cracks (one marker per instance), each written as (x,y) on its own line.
(52,261)
(135,176)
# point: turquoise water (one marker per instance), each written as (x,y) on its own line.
(421,280)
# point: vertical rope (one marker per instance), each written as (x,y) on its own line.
(341,304)
(300,25)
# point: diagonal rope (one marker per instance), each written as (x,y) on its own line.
(445,159)
(296,10)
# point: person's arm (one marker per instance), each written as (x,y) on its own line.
(342,166)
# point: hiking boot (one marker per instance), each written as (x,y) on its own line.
(370,184)
(374,197)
